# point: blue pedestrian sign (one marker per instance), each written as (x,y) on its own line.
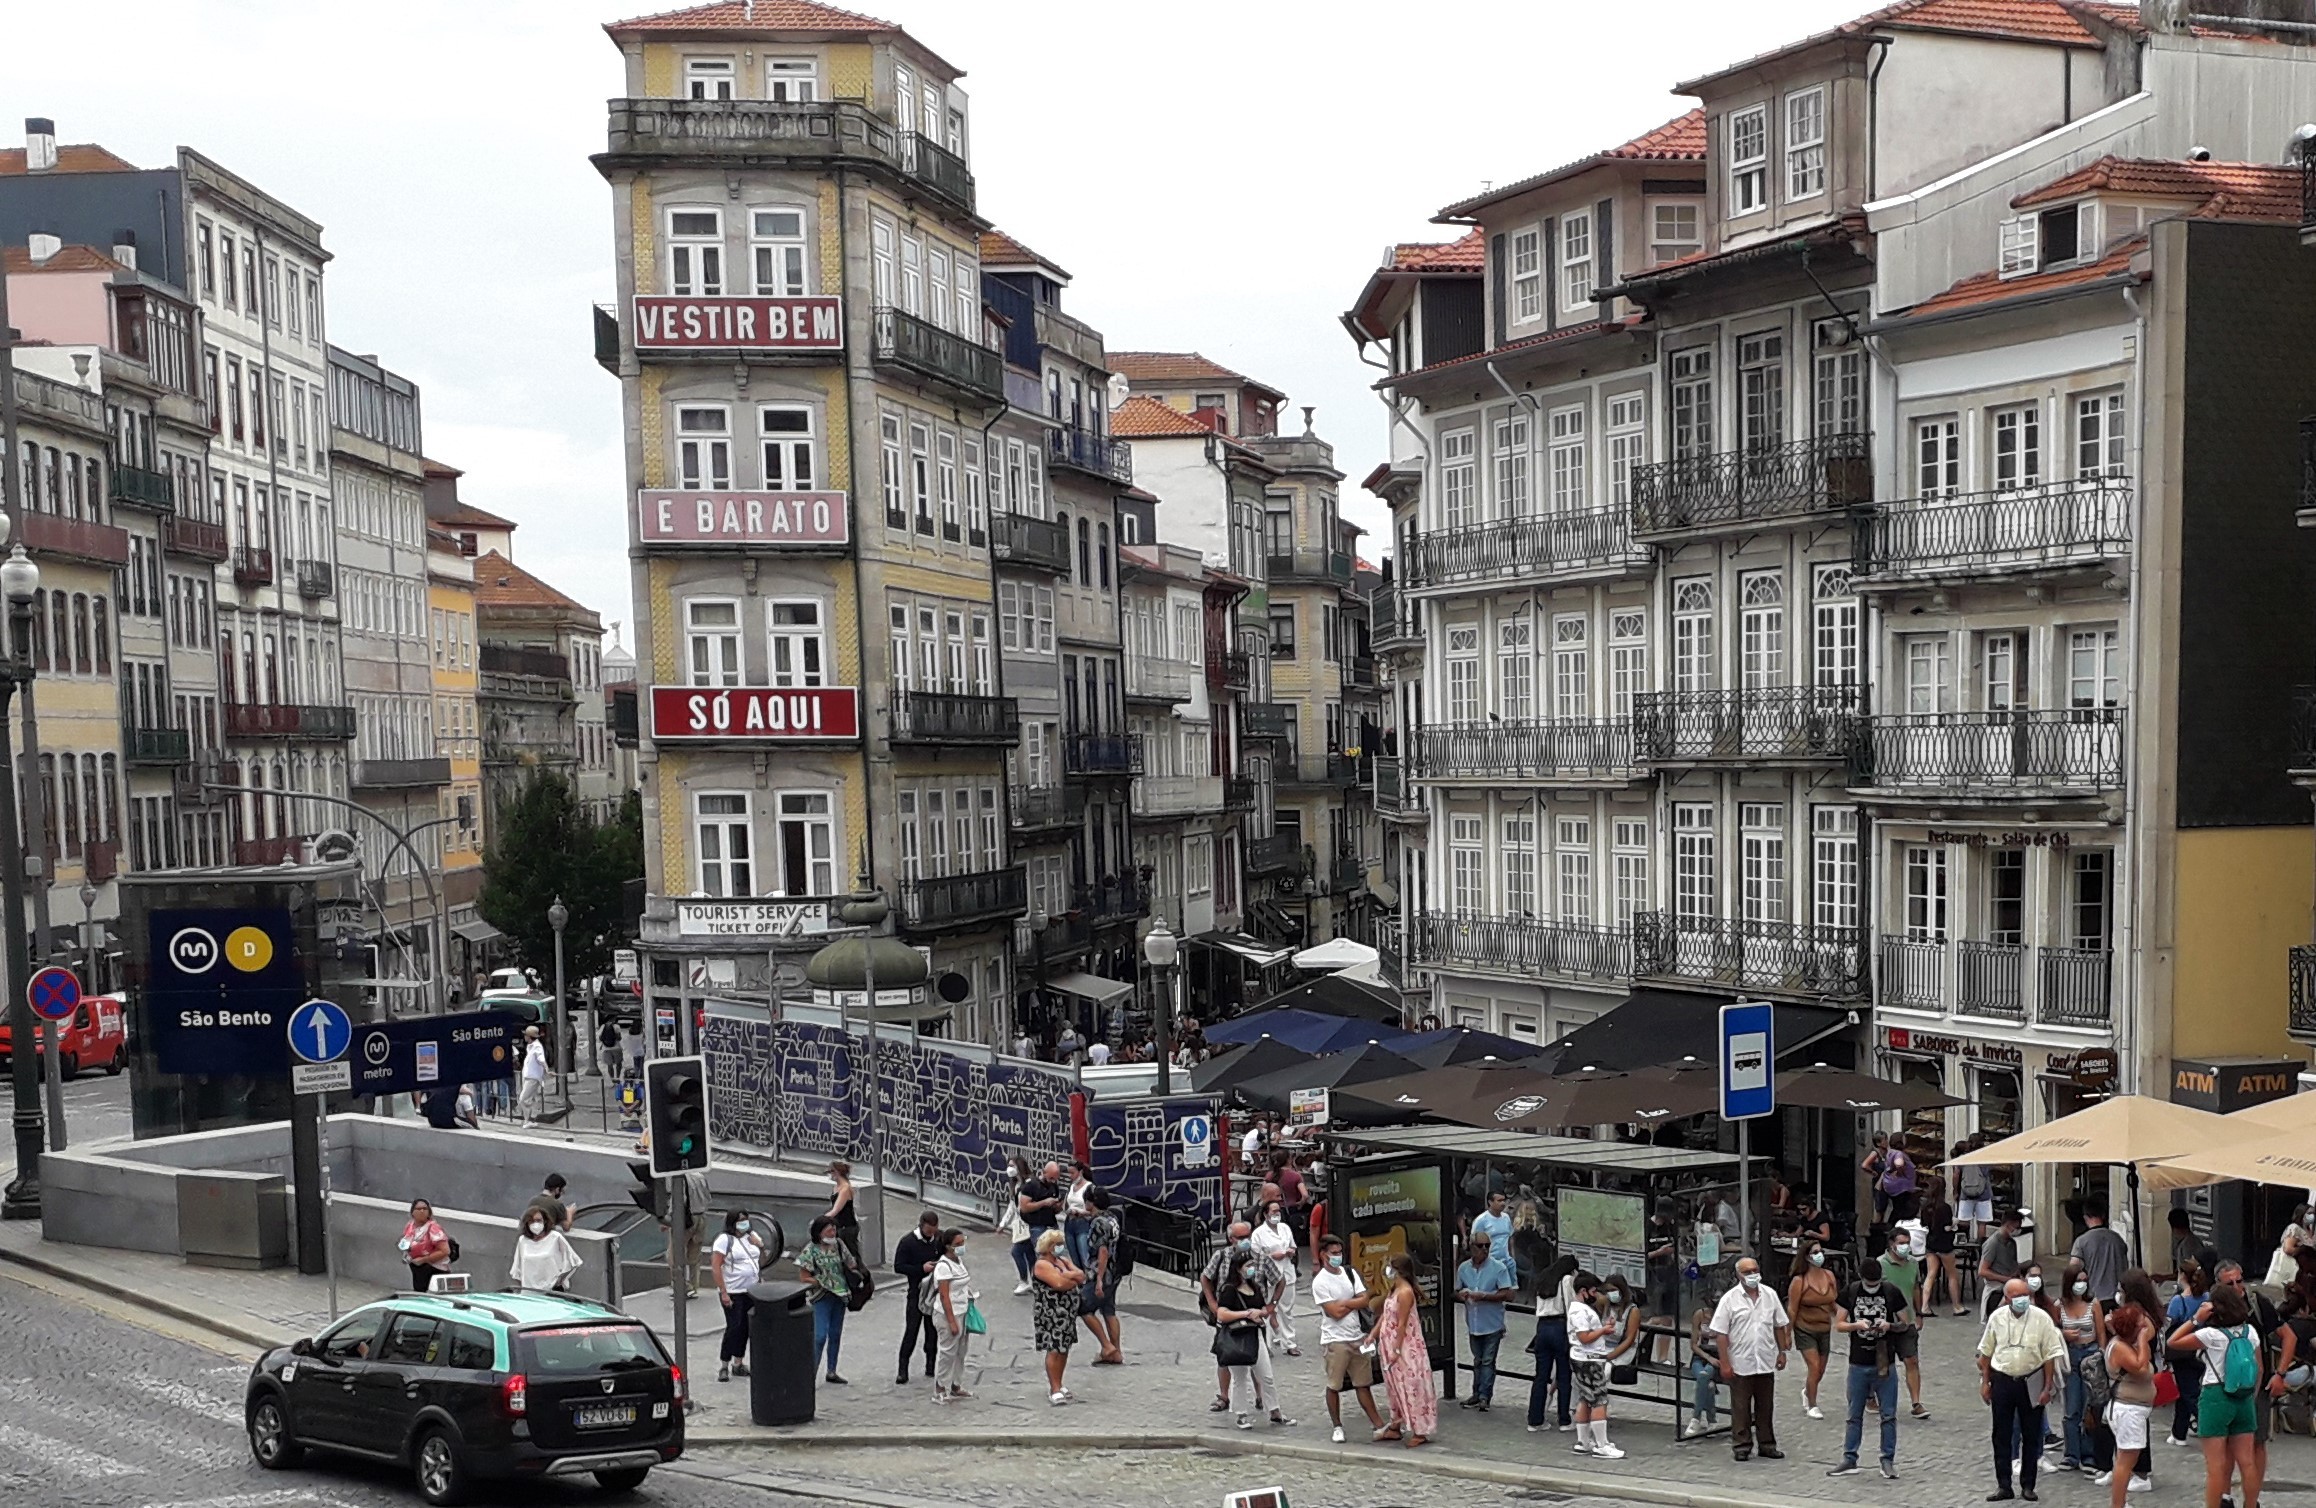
(1197,1141)
(1748,1061)
(54,993)
(320,1032)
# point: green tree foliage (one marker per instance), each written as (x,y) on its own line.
(546,847)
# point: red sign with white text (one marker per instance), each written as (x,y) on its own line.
(679,322)
(680,712)
(743,518)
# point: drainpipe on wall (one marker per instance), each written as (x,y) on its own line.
(2127,1031)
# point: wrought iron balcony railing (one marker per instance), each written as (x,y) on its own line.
(1390,954)
(1993,980)
(760,130)
(1313,767)
(1279,852)
(948,717)
(2300,1018)
(1058,941)
(936,903)
(1571,749)
(1120,899)
(1231,670)
(140,487)
(1308,563)
(1359,673)
(2018,753)
(2071,986)
(1990,979)
(1095,455)
(1740,488)
(1149,678)
(285,720)
(1522,947)
(1265,719)
(1390,796)
(2057,524)
(1549,544)
(1037,808)
(252,566)
(511,659)
(921,347)
(165,746)
(1794,958)
(195,537)
(1238,793)
(316,578)
(1391,618)
(936,167)
(401,774)
(1762,722)
(49,535)
(1102,753)
(2303,729)
(1019,539)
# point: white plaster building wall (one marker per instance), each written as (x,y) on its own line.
(1943,101)
(1193,508)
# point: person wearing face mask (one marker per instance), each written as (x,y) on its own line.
(1871,1312)
(544,1260)
(1810,1294)
(913,1258)
(1274,1242)
(1400,1346)
(1484,1282)
(1344,1305)
(1902,1270)
(1755,1333)
(1591,1335)
(737,1260)
(822,1266)
(2083,1325)
(1241,1316)
(954,1317)
(2019,1355)
(1219,1270)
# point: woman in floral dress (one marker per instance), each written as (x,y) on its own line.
(1406,1361)
(1055,1280)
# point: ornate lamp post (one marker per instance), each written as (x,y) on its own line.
(853,964)
(1160,950)
(559,917)
(19,582)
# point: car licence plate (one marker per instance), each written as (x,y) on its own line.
(604,1416)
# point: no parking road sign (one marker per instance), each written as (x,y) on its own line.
(54,993)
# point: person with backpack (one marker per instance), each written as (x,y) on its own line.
(2186,1369)
(1107,1263)
(2130,1385)
(2083,1325)
(2227,1413)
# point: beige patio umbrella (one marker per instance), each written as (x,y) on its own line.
(2130,1129)
(2273,1156)
(2294,1112)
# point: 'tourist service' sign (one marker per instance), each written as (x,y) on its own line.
(751,918)
(679,712)
(743,518)
(675,322)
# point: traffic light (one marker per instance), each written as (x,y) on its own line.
(675,1109)
(649,1194)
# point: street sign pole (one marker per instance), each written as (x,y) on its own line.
(52,1076)
(54,994)
(319,1032)
(322,1145)
(1748,1089)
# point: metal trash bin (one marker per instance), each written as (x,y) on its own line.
(780,1378)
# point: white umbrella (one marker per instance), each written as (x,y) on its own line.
(1370,972)
(1336,954)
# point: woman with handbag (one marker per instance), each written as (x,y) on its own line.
(2131,1380)
(1625,1315)
(1241,1314)
(1016,1226)
(426,1247)
(1406,1360)
(951,1291)
(1055,1279)
(828,1278)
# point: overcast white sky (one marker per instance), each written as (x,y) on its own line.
(1223,187)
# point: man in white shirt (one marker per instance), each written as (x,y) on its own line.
(1755,1335)
(1340,1296)
(532,1096)
(1250,1146)
(1591,1337)
(1098,1054)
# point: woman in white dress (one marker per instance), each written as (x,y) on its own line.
(1274,1241)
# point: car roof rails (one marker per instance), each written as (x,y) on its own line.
(469,1305)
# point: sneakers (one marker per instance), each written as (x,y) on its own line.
(840,1382)
(739,1369)
(1921,1412)
(1607,1453)
(1279,1417)
(1695,1428)
(1058,1399)
(1582,1448)
(1337,1436)
(1814,1412)
(1469,1403)
(2141,1484)
(1244,1422)
(1846,1469)
(2102,1479)
(1021,1287)
(1889,1469)
(724,1372)
(1566,1427)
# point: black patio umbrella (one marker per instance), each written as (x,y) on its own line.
(1261,1056)
(1647,1097)
(1820,1087)
(1467,1044)
(1333,995)
(1466,1093)
(1338,1070)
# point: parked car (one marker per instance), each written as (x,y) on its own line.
(96,1036)
(463,1389)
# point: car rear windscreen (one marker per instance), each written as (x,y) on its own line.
(565,1350)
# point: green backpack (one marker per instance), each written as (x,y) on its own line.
(2241,1372)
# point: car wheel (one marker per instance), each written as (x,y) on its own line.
(441,1479)
(626,1479)
(119,1062)
(69,1067)
(269,1438)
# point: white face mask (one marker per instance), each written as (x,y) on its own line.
(2035,1283)
(2082,1290)
(1817,1259)
(1753,1280)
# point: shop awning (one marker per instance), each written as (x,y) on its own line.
(1253,949)
(1654,1028)
(1090,987)
(476,931)
(1532,1146)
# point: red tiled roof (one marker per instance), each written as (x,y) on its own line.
(753,15)
(499,582)
(69,259)
(1467,253)
(2047,21)
(1990,288)
(1167,367)
(1145,418)
(1000,250)
(1681,139)
(79,157)
(1850,227)
(458,512)
(1516,347)
(2240,190)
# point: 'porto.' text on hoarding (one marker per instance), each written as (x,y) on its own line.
(679,712)
(743,518)
(677,322)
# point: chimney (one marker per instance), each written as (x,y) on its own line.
(125,248)
(42,245)
(39,144)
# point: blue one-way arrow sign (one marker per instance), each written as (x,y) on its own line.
(320,1032)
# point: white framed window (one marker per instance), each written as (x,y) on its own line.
(976,492)
(1805,143)
(1675,230)
(1689,382)
(776,248)
(712,640)
(703,449)
(1693,659)
(1929,670)
(1520,898)
(898,656)
(1834,627)
(807,843)
(1044,604)
(1463,668)
(799,630)
(937,285)
(2017,446)
(1761,858)
(2094,667)
(725,844)
(1922,867)
(1467,878)
(1197,864)
(1696,893)
(933,817)
(1837,382)
(881,275)
(2003,656)
(2100,436)
(1576,262)
(1833,861)
(1571,666)
(790,461)
(945,482)
(1565,426)
(1572,859)
(792,81)
(1937,457)
(984,658)
(1761,390)
(1458,494)
(2016,247)
(1761,629)
(953,635)
(1527,275)
(1628,658)
(1628,444)
(1630,855)
(912,273)
(1511,437)
(708,78)
(889,470)
(921,474)
(929,649)
(695,252)
(911,833)
(1748,159)
(1516,669)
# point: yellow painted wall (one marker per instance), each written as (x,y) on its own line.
(457,684)
(659,70)
(2243,903)
(851,70)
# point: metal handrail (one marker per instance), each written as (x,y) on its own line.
(1794,957)
(1799,722)
(1521,946)
(1599,746)
(2021,751)
(1752,484)
(1539,544)
(2074,521)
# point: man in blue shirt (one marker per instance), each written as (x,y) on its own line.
(1495,1224)
(1484,1282)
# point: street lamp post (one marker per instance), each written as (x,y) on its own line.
(559,917)
(595,1019)
(1159,951)
(19,581)
(853,964)
(88,900)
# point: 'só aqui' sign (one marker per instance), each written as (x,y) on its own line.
(679,712)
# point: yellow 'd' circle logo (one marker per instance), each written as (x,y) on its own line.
(248,949)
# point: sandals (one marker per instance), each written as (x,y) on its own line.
(1388,1432)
